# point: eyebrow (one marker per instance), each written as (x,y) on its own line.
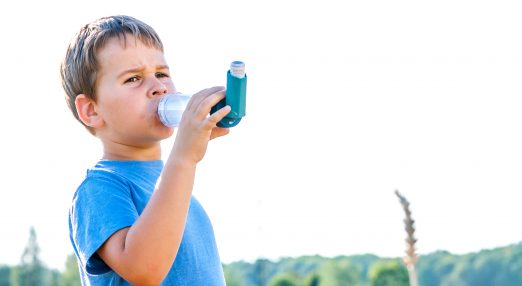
(139,69)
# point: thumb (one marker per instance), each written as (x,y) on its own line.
(218,132)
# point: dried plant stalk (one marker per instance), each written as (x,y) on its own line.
(411,258)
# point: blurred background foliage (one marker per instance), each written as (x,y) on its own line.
(495,267)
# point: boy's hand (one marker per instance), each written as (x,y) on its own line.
(197,127)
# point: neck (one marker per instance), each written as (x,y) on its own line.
(122,152)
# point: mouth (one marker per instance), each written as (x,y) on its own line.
(153,110)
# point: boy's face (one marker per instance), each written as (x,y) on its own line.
(131,80)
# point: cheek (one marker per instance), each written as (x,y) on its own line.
(170,86)
(122,111)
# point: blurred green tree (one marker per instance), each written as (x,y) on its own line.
(5,273)
(313,279)
(31,271)
(261,275)
(389,273)
(338,273)
(285,279)
(54,277)
(71,274)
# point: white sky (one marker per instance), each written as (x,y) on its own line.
(347,102)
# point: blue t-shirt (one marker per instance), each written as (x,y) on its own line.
(112,196)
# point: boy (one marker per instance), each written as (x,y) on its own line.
(133,219)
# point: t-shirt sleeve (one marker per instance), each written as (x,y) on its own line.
(101,206)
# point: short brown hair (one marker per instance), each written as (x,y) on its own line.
(80,66)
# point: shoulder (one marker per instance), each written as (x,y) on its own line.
(100,180)
(100,187)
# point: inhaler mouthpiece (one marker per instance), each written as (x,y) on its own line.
(171,108)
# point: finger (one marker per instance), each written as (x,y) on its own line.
(206,105)
(218,115)
(197,98)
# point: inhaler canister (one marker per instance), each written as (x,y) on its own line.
(235,95)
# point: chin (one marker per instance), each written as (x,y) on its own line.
(162,131)
(167,132)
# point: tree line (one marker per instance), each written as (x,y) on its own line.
(495,267)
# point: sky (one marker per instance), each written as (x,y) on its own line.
(347,101)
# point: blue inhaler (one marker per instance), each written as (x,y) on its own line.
(235,95)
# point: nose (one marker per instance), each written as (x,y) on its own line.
(158,89)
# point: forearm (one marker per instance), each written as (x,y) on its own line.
(152,243)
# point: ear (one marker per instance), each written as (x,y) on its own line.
(87,111)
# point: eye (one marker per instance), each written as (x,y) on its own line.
(161,74)
(132,79)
